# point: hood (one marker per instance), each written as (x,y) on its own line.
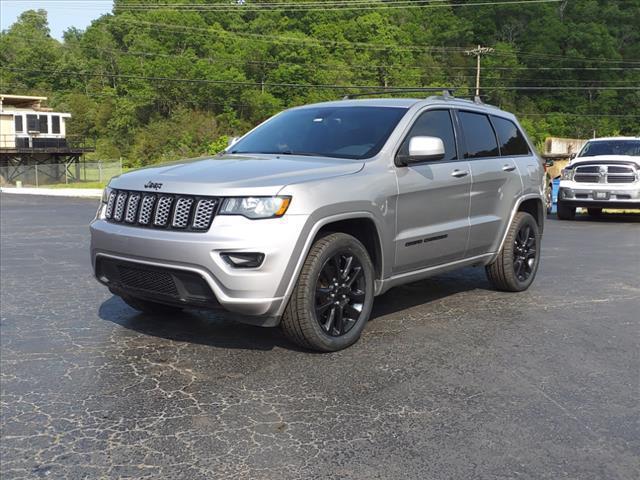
(230,175)
(599,159)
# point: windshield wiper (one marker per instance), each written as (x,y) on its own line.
(283,152)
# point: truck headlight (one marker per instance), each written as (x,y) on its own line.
(567,174)
(255,207)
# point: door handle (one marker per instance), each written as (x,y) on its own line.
(509,168)
(459,173)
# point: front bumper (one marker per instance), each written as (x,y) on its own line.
(254,292)
(599,195)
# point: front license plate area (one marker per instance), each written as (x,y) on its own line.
(601,195)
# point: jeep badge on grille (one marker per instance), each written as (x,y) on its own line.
(154,185)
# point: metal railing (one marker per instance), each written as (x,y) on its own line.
(43,142)
(59,174)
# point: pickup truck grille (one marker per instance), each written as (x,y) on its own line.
(605,174)
(155,210)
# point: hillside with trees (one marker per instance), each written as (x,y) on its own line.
(164,79)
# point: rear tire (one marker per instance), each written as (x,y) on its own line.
(595,212)
(566,212)
(145,306)
(333,297)
(517,263)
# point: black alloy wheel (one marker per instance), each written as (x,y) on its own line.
(333,297)
(524,252)
(516,265)
(340,294)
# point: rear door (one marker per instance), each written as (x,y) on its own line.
(496,182)
(433,202)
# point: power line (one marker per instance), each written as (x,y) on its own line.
(309,86)
(355,66)
(300,7)
(374,46)
(344,68)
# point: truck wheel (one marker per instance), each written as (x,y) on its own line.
(146,306)
(517,263)
(565,212)
(595,212)
(333,297)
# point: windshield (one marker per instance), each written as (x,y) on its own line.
(342,132)
(611,147)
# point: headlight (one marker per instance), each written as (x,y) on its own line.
(105,195)
(567,174)
(102,208)
(255,207)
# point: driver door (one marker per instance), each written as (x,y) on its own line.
(433,200)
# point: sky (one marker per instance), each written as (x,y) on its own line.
(62,14)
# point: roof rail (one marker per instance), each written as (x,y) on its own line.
(472,98)
(446,92)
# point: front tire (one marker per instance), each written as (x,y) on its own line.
(566,212)
(333,297)
(517,263)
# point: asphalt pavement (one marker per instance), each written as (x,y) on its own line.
(451,380)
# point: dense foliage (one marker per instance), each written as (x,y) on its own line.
(151,82)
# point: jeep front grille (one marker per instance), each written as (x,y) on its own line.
(605,174)
(177,212)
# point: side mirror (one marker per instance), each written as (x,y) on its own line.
(572,156)
(548,162)
(423,149)
(232,141)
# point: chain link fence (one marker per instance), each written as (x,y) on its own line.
(90,174)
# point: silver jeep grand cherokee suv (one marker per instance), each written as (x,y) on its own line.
(309,216)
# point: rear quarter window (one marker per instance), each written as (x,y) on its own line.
(510,138)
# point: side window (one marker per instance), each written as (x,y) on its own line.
(18,120)
(479,135)
(433,123)
(511,140)
(55,124)
(43,123)
(32,123)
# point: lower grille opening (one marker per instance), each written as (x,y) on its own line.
(150,280)
(155,283)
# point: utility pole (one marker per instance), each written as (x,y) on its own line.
(478,52)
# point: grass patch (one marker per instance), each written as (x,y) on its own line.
(77,185)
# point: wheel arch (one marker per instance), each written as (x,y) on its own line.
(532,204)
(536,208)
(360,224)
(365,230)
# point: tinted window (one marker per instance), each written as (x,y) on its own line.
(18,120)
(434,123)
(32,123)
(479,136)
(43,123)
(55,124)
(342,132)
(511,140)
(611,147)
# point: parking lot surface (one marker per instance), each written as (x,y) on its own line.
(451,380)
